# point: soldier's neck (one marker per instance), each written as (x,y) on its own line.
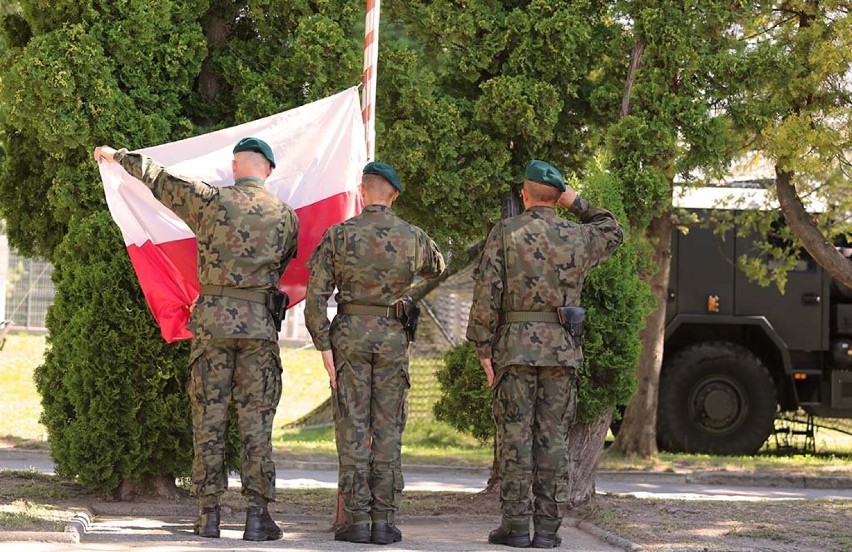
(387,204)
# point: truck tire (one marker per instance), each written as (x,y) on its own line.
(715,398)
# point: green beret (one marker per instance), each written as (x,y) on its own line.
(256,145)
(544,173)
(385,171)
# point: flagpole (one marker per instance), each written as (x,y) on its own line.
(368,78)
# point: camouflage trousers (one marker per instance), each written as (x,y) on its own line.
(534,408)
(370,412)
(246,372)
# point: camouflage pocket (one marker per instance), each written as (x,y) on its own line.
(560,494)
(510,491)
(402,414)
(196,382)
(398,486)
(572,399)
(338,400)
(272,376)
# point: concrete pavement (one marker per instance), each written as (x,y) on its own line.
(167,530)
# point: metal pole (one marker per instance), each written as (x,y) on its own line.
(368,78)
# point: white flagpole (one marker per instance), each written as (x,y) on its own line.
(371,62)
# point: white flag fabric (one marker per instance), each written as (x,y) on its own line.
(320,152)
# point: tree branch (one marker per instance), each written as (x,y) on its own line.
(635,60)
(803,226)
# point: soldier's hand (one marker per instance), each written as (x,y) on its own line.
(105,154)
(567,198)
(489,370)
(328,362)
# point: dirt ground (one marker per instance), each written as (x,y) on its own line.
(788,526)
(656,525)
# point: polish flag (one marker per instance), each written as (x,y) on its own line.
(319,152)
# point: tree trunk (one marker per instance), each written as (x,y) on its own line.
(585,444)
(638,432)
(210,83)
(801,223)
(159,486)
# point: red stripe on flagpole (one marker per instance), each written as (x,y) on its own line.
(371,4)
(368,40)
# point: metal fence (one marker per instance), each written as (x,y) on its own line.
(28,290)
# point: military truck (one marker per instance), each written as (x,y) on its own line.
(738,354)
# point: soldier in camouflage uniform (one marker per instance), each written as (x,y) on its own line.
(372,260)
(532,264)
(246,237)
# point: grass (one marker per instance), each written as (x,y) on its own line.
(424,442)
(23,515)
(20,406)
(305,384)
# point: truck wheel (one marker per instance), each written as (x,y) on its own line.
(715,398)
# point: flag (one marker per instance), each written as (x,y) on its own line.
(319,153)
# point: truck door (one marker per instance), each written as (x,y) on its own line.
(799,315)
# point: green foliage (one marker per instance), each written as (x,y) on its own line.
(133,73)
(473,92)
(112,389)
(465,401)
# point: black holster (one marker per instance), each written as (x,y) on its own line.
(277,302)
(573,319)
(408,312)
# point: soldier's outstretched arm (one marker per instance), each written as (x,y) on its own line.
(184,196)
(487,298)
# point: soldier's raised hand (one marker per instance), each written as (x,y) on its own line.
(567,198)
(105,154)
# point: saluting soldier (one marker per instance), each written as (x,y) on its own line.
(246,237)
(372,260)
(533,265)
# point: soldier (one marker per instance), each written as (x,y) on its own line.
(533,265)
(246,237)
(372,259)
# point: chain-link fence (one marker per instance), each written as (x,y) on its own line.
(27,290)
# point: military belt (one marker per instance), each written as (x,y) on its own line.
(225,291)
(368,310)
(529,316)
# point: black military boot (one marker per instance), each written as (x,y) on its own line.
(546,540)
(355,532)
(385,533)
(207,524)
(509,538)
(260,526)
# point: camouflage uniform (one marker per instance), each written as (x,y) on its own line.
(246,237)
(535,261)
(372,259)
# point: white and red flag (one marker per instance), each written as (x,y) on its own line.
(319,152)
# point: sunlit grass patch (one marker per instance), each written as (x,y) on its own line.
(23,515)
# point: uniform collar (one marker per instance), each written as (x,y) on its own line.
(376,208)
(249,180)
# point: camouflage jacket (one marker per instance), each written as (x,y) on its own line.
(372,259)
(536,261)
(246,237)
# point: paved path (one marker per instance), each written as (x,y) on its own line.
(171,534)
(652,485)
